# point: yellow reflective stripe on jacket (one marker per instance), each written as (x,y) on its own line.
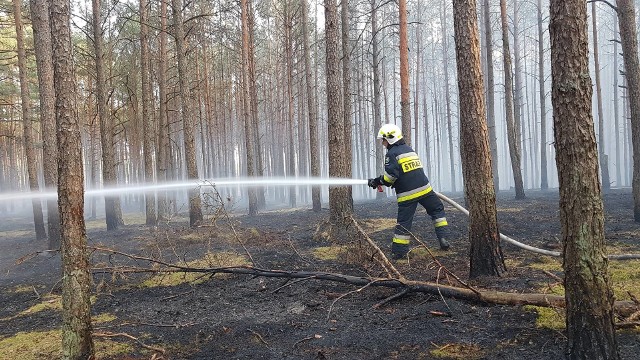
(415,193)
(440,222)
(407,159)
(389,178)
(401,157)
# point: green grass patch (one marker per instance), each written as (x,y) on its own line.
(548,317)
(37,345)
(458,351)
(547,263)
(210,260)
(103,318)
(625,278)
(329,252)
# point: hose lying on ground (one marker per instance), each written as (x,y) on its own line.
(531,248)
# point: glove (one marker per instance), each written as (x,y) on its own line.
(374,183)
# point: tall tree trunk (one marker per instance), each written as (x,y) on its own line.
(346,97)
(485,254)
(590,320)
(512,131)
(616,101)
(76,280)
(147,119)
(113,212)
(416,94)
(290,113)
(544,181)
(518,108)
(629,37)
(405,106)
(377,115)
(42,45)
(163,125)
(339,205)
(27,127)
(490,111)
(311,109)
(254,107)
(195,203)
(604,158)
(447,94)
(247,107)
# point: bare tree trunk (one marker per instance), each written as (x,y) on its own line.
(416,94)
(405,106)
(491,113)
(512,137)
(147,119)
(589,298)
(42,45)
(346,97)
(604,158)
(163,125)
(616,105)
(195,203)
(254,107)
(311,109)
(76,280)
(485,254)
(248,108)
(339,205)
(544,182)
(113,211)
(518,108)
(629,37)
(290,114)
(377,116)
(27,127)
(447,94)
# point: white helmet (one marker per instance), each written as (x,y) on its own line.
(390,132)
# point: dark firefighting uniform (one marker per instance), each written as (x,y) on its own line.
(403,171)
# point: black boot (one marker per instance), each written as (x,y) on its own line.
(399,251)
(444,244)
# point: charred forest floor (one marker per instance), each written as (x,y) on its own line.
(230,316)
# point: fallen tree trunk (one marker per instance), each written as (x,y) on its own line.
(622,308)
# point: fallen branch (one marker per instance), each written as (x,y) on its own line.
(111,335)
(623,308)
(382,259)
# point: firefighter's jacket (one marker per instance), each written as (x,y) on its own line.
(403,171)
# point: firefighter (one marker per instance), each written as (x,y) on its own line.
(403,171)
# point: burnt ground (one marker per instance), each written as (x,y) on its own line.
(245,317)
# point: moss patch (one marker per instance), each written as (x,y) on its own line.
(38,345)
(103,318)
(547,317)
(458,351)
(547,263)
(210,260)
(625,278)
(375,225)
(329,252)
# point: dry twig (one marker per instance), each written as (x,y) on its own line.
(128,336)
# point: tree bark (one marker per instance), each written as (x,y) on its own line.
(346,97)
(247,107)
(147,119)
(27,127)
(195,203)
(602,156)
(512,131)
(311,109)
(490,106)
(589,298)
(616,101)
(629,38)
(163,124)
(447,94)
(405,106)
(339,205)
(544,181)
(485,254)
(76,280)
(113,211)
(377,115)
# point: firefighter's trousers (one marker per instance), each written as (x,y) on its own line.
(406,211)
